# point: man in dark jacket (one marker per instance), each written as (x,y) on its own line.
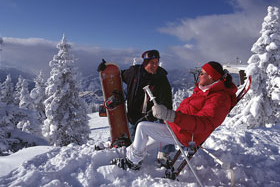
(139,105)
(139,76)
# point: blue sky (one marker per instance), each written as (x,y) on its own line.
(107,23)
(186,32)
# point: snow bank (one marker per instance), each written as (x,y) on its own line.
(254,156)
(9,163)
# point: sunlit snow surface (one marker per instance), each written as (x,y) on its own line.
(253,154)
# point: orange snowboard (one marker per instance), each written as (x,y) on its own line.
(114,103)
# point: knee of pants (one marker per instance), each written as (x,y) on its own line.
(142,125)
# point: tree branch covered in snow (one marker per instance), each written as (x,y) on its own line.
(66,112)
(260,107)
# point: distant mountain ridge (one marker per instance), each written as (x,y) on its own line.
(15,74)
(181,79)
(92,92)
(91,87)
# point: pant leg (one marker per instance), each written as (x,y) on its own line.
(132,128)
(166,148)
(148,136)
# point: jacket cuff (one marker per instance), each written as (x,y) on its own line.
(171,114)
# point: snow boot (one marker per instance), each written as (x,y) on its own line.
(163,160)
(125,163)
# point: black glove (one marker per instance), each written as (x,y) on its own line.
(102,66)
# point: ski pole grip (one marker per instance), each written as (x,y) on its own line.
(150,94)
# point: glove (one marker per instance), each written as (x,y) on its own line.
(161,112)
(102,66)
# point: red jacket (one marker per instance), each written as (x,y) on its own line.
(198,115)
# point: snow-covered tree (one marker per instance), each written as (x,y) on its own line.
(6,114)
(15,120)
(178,97)
(261,105)
(38,97)
(29,122)
(6,125)
(7,91)
(67,120)
(24,98)
(18,90)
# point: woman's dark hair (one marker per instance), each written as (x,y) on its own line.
(226,77)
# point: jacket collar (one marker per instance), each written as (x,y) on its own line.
(216,86)
(207,87)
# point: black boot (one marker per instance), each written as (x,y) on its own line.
(124,163)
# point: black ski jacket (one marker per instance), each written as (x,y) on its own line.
(136,77)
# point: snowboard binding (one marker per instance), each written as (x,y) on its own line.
(124,140)
(114,100)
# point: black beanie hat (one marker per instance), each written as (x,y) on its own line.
(148,55)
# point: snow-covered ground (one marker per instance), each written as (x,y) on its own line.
(254,155)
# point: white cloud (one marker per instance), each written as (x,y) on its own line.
(34,54)
(219,37)
(189,46)
(215,37)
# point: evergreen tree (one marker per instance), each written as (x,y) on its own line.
(29,122)
(260,107)
(7,91)
(14,120)
(67,120)
(38,96)
(24,98)
(18,90)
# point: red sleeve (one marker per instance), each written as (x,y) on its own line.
(212,114)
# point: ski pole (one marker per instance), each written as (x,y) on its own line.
(147,89)
(223,164)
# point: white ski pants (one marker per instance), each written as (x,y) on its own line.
(148,136)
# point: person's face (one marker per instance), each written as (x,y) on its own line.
(204,78)
(152,66)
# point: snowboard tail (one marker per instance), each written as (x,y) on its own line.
(114,105)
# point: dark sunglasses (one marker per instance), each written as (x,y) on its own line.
(202,73)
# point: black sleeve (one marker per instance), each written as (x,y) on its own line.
(124,75)
(128,74)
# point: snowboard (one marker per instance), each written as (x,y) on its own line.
(114,105)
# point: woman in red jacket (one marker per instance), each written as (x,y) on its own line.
(195,119)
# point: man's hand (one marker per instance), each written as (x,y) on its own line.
(102,66)
(161,112)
